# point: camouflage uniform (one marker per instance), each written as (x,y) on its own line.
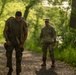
(47,38)
(16,33)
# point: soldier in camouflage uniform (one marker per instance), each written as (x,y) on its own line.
(15,34)
(48,40)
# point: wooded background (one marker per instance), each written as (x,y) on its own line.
(34,12)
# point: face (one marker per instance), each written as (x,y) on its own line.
(46,23)
(18,18)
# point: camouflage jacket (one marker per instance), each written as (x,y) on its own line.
(15,29)
(47,35)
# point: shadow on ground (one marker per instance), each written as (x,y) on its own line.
(44,71)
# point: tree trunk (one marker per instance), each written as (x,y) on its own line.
(73,15)
(27,9)
(2,8)
(26,12)
(32,3)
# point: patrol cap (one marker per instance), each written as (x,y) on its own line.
(47,20)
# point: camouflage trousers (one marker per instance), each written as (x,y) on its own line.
(9,51)
(49,47)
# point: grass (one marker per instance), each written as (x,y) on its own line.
(68,54)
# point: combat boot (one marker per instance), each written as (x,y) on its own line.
(53,64)
(44,62)
(10,71)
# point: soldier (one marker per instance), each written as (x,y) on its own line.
(48,40)
(15,34)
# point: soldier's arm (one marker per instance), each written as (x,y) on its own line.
(54,35)
(41,35)
(25,32)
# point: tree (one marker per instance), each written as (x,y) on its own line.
(73,15)
(3,5)
(30,5)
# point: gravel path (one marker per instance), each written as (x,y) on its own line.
(31,65)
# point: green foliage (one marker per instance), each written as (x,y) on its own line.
(59,18)
(58,2)
(33,46)
(68,55)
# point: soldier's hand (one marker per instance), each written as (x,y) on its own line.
(8,42)
(21,46)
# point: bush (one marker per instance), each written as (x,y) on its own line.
(68,55)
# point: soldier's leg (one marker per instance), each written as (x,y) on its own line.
(9,51)
(18,60)
(44,55)
(51,52)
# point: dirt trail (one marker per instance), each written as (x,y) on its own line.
(31,65)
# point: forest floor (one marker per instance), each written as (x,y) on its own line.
(31,65)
